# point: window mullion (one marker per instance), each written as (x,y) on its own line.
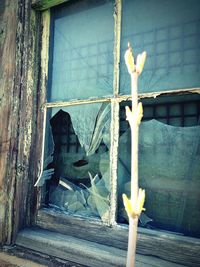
(113,160)
(43,89)
(117,36)
(115,116)
(45,50)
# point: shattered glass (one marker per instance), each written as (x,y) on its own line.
(169,32)
(78,142)
(81,59)
(169,171)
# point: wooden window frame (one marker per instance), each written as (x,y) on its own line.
(150,242)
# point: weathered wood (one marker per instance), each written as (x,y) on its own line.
(121,98)
(92,230)
(8,115)
(45,4)
(114,126)
(76,102)
(161,93)
(21,98)
(81,251)
(66,247)
(168,246)
(117,38)
(7,260)
(18,97)
(45,34)
(178,249)
(37,257)
(26,83)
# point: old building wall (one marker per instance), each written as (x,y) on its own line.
(18,114)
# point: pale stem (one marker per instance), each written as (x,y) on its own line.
(133,222)
(134,140)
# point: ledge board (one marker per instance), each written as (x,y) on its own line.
(81,251)
(165,245)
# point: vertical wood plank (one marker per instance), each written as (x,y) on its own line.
(8,114)
(18,114)
(26,82)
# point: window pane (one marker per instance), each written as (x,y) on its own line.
(81,62)
(77,149)
(169,32)
(169,171)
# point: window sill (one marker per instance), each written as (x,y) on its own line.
(79,251)
(165,245)
(70,248)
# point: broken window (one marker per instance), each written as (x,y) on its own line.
(86,165)
(77,160)
(169,32)
(169,167)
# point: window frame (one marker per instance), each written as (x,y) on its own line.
(151,242)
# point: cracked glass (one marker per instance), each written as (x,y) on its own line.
(169,171)
(76,171)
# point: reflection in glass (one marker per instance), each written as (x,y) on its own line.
(81,62)
(169,32)
(169,171)
(77,148)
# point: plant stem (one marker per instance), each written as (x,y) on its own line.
(133,222)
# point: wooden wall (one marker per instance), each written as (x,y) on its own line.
(19,119)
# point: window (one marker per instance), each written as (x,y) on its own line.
(168,155)
(168,164)
(87,139)
(79,155)
(76,174)
(169,32)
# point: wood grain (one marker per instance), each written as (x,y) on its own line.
(167,246)
(18,114)
(8,114)
(80,251)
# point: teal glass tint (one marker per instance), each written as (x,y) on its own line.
(76,170)
(169,168)
(81,50)
(169,32)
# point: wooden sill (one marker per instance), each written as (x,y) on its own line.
(70,248)
(81,252)
(167,246)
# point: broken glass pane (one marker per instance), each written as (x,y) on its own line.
(169,171)
(169,32)
(77,141)
(81,59)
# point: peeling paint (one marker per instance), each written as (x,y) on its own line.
(115,116)
(161,93)
(18,100)
(45,4)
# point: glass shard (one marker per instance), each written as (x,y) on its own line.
(79,183)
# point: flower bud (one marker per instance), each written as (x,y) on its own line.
(129,59)
(141,58)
